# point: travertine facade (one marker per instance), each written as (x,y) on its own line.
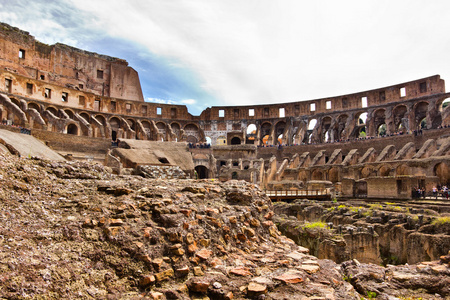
(61,89)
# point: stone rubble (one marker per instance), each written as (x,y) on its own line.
(72,230)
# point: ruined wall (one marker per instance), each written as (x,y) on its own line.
(61,89)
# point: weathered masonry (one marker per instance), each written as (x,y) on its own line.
(357,141)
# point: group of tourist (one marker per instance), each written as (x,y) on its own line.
(437,191)
(199,145)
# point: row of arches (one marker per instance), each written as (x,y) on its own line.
(67,120)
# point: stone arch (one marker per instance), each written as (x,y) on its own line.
(325,127)
(339,128)
(420,113)
(132,124)
(202,172)
(279,131)
(101,119)
(34,105)
(85,116)
(379,119)
(265,130)
(399,113)
(221,141)
(191,139)
(302,176)
(72,128)
(250,136)
(192,132)
(53,110)
(70,113)
(115,124)
(402,170)
(16,102)
(235,141)
(147,128)
(442,172)
(385,170)
(309,132)
(176,129)
(382,129)
(366,172)
(317,175)
(162,132)
(334,175)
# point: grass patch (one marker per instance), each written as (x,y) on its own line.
(314,225)
(441,221)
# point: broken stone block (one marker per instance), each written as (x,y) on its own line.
(255,289)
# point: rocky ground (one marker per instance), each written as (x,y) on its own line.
(71,230)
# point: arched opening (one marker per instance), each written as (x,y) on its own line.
(191,139)
(423,124)
(317,175)
(69,113)
(385,171)
(441,171)
(379,122)
(445,103)
(251,134)
(280,139)
(235,141)
(381,130)
(34,106)
(85,116)
(402,170)
(176,129)
(221,141)
(399,118)
(420,113)
(72,129)
(326,124)
(132,124)
(147,130)
(333,175)
(161,130)
(265,133)
(202,172)
(52,110)
(311,125)
(366,172)
(279,131)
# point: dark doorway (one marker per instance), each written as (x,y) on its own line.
(235,141)
(202,172)
(72,129)
(114,135)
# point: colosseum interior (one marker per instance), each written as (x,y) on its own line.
(380,143)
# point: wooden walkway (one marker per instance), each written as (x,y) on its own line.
(323,194)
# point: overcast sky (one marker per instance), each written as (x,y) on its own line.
(205,53)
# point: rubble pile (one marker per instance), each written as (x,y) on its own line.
(72,230)
(163,172)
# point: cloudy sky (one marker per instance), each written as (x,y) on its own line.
(205,53)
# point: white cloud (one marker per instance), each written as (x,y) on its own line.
(160,101)
(266,51)
(188,101)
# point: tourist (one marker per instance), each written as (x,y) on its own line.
(435,192)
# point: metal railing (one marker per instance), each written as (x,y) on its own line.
(299,193)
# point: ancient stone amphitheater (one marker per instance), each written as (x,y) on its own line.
(72,229)
(380,143)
